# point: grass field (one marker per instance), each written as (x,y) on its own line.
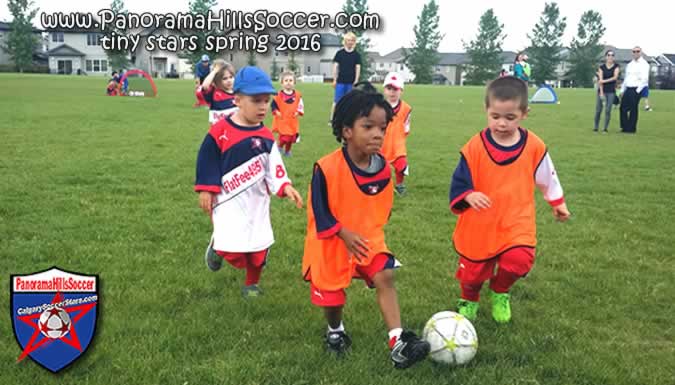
(104,185)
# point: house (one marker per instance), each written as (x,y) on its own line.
(451,68)
(39,55)
(159,63)
(391,62)
(76,51)
(665,74)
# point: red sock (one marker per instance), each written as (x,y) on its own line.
(252,274)
(392,342)
(503,280)
(399,177)
(471,292)
(289,144)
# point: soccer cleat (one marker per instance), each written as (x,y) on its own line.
(251,291)
(647,108)
(501,307)
(213,261)
(338,343)
(468,309)
(409,350)
(288,154)
(401,189)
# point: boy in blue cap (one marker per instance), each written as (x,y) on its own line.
(238,167)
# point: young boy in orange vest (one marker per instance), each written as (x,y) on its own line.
(393,148)
(350,199)
(492,191)
(287,105)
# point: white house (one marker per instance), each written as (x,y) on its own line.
(77,51)
(391,62)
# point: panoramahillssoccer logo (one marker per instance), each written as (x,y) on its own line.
(54,315)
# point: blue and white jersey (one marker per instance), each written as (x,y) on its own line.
(243,166)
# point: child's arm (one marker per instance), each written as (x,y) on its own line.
(462,195)
(277,179)
(208,80)
(548,183)
(275,108)
(301,108)
(358,74)
(406,126)
(207,182)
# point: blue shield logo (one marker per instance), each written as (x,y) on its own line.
(54,315)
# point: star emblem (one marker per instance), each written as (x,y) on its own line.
(75,312)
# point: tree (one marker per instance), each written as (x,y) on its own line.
(545,43)
(200,7)
(117,58)
(586,50)
(362,42)
(424,55)
(486,50)
(21,42)
(251,58)
(275,69)
(292,64)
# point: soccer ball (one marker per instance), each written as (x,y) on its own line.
(54,323)
(452,337)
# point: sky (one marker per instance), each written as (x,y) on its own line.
(645,23)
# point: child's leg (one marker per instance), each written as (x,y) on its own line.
(334,318)
(289,144)
(471,276)
(512,265)
(254,265)
(332,302)
(387,298)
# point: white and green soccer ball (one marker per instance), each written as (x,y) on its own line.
(452,337)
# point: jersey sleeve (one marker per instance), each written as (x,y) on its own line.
(208,166)
(460,187)
(275,105)
(326,224)
(546,179)
(276,176)
(208,94)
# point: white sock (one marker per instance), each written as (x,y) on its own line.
(395,333)
(340,328)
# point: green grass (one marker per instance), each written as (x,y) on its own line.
(104,185)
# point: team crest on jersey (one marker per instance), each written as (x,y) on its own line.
(373,189)
(54,314)
(256,143)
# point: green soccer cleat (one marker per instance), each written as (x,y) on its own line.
(501,307)
(251,291)
(468,309)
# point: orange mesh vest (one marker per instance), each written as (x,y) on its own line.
(287,123)
(510,221)
(326,262)
(393,146)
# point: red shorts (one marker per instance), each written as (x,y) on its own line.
(283,139)
(518,260)
(240,260)
(325,298)
(401,165)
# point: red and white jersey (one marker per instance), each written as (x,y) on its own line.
(243,166)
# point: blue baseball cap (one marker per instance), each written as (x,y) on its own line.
(252,81)
(205,57)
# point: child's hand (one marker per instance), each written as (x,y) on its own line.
(334,83)
(356,245)
(206,201)
(295,114)
(293,195)
(561,213)
(478,201)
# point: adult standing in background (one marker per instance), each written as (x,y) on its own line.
(636,79)
(202,70)
(608,74)
(346,69)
